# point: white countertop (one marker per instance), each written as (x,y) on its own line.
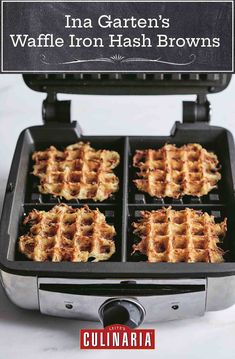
(32,335)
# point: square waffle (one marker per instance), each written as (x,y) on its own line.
(179,236)
(79,172)
(175,172)
(67,234)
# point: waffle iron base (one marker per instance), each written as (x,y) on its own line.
(122,208)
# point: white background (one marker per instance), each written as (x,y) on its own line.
(31,335)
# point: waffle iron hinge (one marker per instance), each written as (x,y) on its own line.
(54,110)
(198,111)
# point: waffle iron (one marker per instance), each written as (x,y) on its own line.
(126,289)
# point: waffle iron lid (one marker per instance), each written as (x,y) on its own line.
(129,83)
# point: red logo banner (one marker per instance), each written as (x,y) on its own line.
(117,336)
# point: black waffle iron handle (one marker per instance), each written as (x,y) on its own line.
(124,311)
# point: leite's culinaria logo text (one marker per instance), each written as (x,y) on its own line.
(117,337)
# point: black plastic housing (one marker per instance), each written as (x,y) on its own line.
(22,196)
(129,83)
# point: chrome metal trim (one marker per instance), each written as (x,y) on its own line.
(183,281)
(21,290)
(157,308)
(220,293)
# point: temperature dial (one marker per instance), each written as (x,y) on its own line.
(122,311)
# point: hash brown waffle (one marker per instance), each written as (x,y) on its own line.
(79,172)
(67,234)
(175,172)
(179,236)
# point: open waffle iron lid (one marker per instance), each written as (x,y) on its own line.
(129,83)
(115,83)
